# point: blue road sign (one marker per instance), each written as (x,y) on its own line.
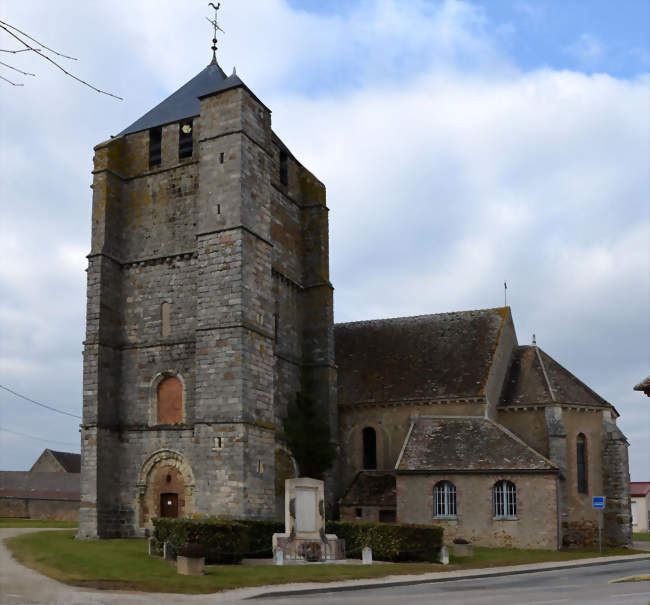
(599,502)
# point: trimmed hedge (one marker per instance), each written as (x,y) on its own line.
(260,537)
(389,541)
(224,541)
(228,541)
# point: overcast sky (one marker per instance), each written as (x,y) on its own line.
(462,144)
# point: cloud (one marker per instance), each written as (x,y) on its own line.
(448,170)
(587,49)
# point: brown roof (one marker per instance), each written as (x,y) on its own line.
(42,486)
(371,488)
(442,356)
(639,489)
(461,444)
(536,378)
(69,461)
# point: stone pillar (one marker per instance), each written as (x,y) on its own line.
(617,529)
(557,453)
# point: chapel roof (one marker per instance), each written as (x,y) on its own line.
(441,356)
(371,488)
(49,486)
(467,444)
(536,378)
(185,102)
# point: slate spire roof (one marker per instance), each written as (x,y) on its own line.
(185,103)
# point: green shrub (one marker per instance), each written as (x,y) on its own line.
(224,541)
(389,541)
(260,537)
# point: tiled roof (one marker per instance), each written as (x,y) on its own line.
(536,378)
(69,461)
(48,486)
(442,356)
(463,444)
(371,488)
(185,103)
(639,489)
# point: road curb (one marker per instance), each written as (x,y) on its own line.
(469,576)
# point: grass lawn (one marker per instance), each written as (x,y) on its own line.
(11,522)
(125,564)
(643,536)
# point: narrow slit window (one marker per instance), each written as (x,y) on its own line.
(155,146)
(369,438)
(185,140)
(221,158)
(165,320)
(581,459)
(284,168)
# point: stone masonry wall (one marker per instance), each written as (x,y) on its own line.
(534,527)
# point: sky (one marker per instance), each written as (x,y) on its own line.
(462,143)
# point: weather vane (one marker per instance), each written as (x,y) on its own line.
(215,27)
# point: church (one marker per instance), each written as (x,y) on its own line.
(209,300)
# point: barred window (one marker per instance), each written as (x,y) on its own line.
(444,499)
(185,140)
(504,500)
(155,146)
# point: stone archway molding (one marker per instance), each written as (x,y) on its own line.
(146,492)
(165,455)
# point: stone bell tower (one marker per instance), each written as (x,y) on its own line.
(208,297)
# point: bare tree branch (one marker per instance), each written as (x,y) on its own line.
(10,82)
(25,73)
(20,50)
(6,27)
(37,42)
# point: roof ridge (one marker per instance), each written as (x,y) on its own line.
(574,378)
(545,374)
(426,315)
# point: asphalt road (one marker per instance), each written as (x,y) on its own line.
(588,585)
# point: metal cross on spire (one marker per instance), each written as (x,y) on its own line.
(215,27)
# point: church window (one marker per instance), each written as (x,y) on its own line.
(221,158)
(185,139)
(581,463)
(444,499)
(155,146)
(369,438)
(504,500)
(164,319)
(358,513)
(284,168)
(170,401)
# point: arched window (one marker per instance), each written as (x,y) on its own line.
(504,500)
(170,401)
(444,499)
(369,448)
(581,463)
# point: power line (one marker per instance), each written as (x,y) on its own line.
(47,407)
(36,438)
